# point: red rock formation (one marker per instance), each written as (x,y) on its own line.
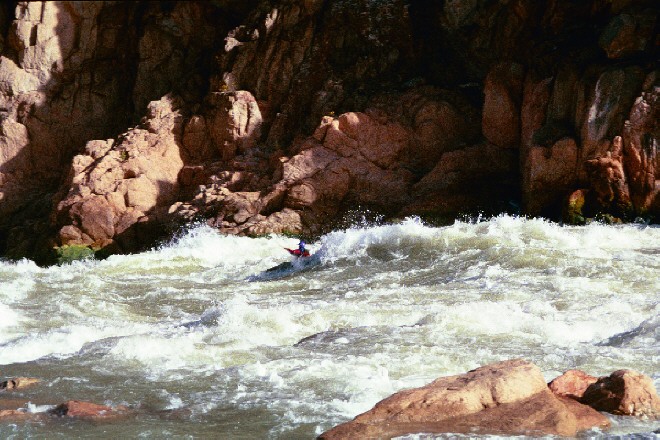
(419,96)
(640,148)
(506,398)
(72,72)
(353,156)
(550,174)
(116,185)
(613,95)
(234,122)
(608,180)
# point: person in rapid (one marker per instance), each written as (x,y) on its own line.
(300,252)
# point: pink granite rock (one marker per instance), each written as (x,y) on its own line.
(624,392)
(505,398)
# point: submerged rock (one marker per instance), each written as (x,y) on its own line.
(76,408)
(18,382)
(72,408)
(16,415)
(505,398)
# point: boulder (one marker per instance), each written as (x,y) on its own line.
(18,382)
(15,415)
(585,416)
(440,121)
(505,398)
(624,392)
(572,383)
(93,217)
(359,158)
(71,408)
(77,408)
(355,156)
(379,143)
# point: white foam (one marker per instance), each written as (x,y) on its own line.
(36,409)
(163,352)
(10,318)
(17,280)
(389,307)
(63,341)
(353,243)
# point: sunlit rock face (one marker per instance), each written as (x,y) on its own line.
(289,114)
(115,185)
(75,72)
(504,398)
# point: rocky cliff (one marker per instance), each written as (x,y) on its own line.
(121,120)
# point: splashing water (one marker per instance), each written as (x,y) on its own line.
(183,335)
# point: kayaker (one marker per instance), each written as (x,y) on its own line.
(301,251)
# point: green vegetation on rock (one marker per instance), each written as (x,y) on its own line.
(574,209)
(70,253)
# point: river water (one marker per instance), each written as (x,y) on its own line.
(200,342)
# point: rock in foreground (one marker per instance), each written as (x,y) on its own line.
(624,392)
(573,384)
(505,398)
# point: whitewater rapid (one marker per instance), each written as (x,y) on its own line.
(198,342)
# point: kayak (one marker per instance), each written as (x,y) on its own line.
(299,263)
(281,266)
(287,268)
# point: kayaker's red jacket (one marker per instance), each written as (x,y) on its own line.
(296,252)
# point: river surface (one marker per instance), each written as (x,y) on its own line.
(201,342)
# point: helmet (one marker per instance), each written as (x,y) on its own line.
(302,243)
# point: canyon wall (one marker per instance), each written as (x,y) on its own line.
(121,121)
